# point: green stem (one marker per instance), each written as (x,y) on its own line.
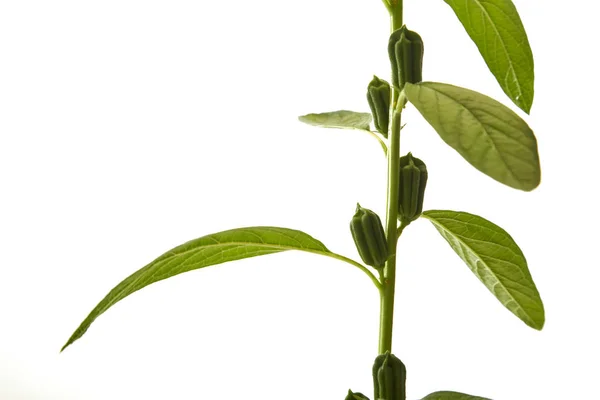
(395,23)
(388,275)
(400,229)
(387,5)
(355,263)
(395,14)
(381,142)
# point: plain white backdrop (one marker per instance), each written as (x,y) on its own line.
(129,127)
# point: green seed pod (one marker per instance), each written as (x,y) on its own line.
(356,396)
(389,378)
(405,49)
(369,237)
(379,97)
(411,188)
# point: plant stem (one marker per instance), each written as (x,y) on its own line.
(352,262)
(395,14)
(381,142)
(395,23)
(388,275)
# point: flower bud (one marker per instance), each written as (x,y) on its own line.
(405,49)
(389,377)
(379,98)
(411,188)
(369,237)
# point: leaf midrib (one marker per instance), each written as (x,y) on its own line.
(223,244)
(202,247)
(326,252)
(518,254)
(483,126)
(485,264)
(510,63)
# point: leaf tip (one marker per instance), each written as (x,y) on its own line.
(75,336)
(530,186)
(65,346)
(526,107)
(539,325)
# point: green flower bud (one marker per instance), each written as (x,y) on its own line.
(411,188)
(379,97)
(369,237)
(389,377)
(405,49)
(356,396)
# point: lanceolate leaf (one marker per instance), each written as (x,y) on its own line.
(452,396)
(495,259)
(490,136)
(339,119)
(344,120)
(497,30)
(217,248)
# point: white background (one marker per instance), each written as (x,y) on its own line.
(129,127)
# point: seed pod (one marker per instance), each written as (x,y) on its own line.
(356,396)
(405,49)
(411,188)
(378,96)
(369,237)
(389,378)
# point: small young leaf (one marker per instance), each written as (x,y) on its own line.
(339,119)
(217,248)
(495,259)
(451,396)
(497,30)
(489,135)
(355,396)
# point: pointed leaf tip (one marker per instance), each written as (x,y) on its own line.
(496,29)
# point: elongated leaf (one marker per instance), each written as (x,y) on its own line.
(339,119)
(452,396)
(217,248)
(497,30)
(490,136)
(495,259)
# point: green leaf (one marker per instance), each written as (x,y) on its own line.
(344,120)
(355,396)
(497,30)
(452,396)
(490,136)
(339,119)
(217,248)
(495,259)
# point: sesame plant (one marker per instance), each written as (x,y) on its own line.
(487,134)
